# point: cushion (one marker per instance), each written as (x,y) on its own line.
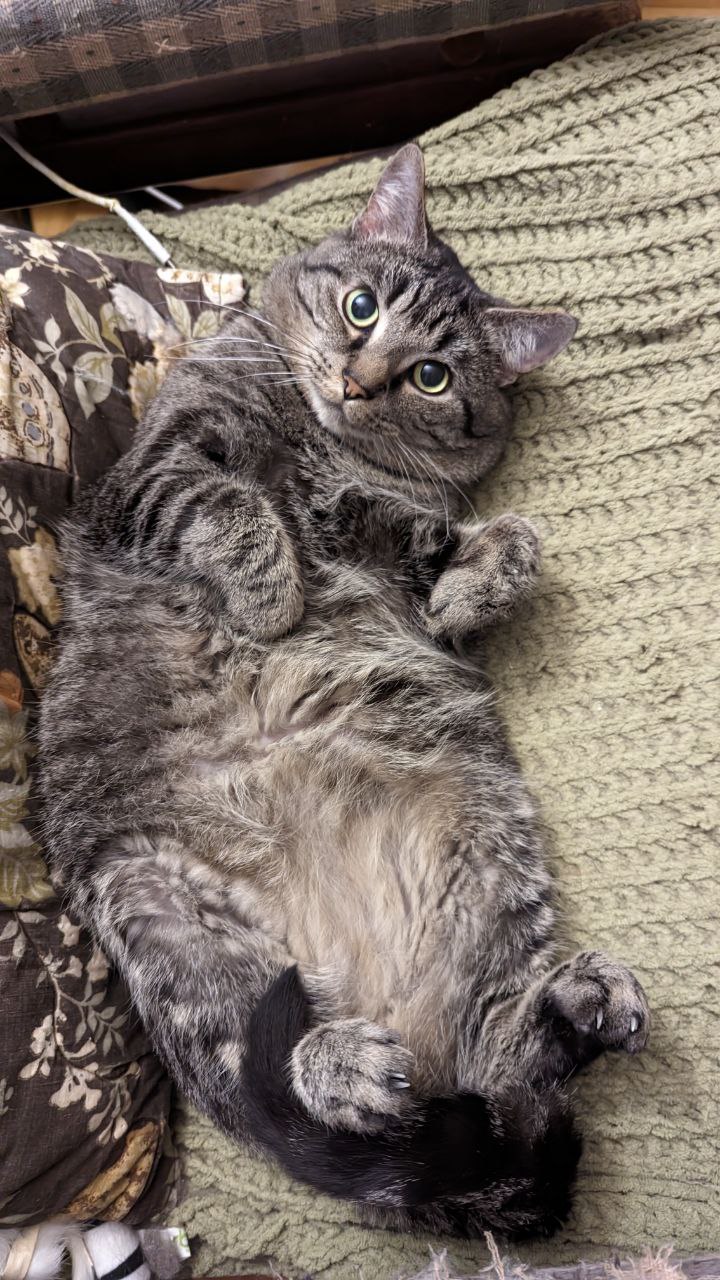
(592,184)
(53,54)
(84,1105)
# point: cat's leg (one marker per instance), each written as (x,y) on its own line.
(491,571)
(192,521)
(197,965)
(236,545)
(577,1011)
(195,962)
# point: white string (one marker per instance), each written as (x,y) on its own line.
(111,203)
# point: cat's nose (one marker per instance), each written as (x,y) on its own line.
(352,389)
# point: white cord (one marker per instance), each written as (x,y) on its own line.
(158,194)
(111,203)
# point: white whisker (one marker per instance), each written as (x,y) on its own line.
(291,342)
(241,359)
(439,488)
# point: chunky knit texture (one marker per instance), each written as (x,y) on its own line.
(593,184)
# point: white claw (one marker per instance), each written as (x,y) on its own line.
(634,1024)
(599,1019)
(398,1081)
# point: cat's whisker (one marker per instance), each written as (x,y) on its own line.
(431,469)
(266,362)
(462,494)
(285,358)
(243,340)
(398,459)
(240,359)
(245,311)
(419,462)
(448,480)
(226,337)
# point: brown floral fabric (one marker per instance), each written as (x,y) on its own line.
(84,1106)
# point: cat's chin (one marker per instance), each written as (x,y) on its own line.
(331,415)
(365,449)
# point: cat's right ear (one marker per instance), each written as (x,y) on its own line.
(396,209)
(525,339)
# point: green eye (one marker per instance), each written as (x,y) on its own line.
(361,308)
(431,376)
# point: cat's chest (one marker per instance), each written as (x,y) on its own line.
(351,690)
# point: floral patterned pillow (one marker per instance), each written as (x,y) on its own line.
(84,1106)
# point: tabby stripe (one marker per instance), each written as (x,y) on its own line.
(401,284)
(323,266)
(144,479)
(467,417)
(168,438)
(144,498)
(170,487)
(410,302)
(303,301)
(181,517)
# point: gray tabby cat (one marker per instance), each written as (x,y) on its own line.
(275,782)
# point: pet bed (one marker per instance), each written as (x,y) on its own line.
(593,184)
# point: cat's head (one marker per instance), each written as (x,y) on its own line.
(401,356)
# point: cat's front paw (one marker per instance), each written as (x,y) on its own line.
(601,1002)
(492,572)
(268,601)
(352,1074)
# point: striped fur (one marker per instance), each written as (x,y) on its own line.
(275,782)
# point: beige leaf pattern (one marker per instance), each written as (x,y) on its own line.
(32,567)
(23,874)
(144,382)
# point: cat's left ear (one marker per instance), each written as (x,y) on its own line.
(525,339)
(396,208)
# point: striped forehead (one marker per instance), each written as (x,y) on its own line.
(422,308)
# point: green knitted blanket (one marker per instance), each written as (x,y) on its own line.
(593,184)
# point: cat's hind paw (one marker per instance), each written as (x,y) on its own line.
(352,1074)
(602,1001)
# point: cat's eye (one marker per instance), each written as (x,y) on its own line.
(361,308)
(431,376)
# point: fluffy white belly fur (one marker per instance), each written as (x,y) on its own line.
(346,850)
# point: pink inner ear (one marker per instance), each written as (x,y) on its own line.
(526,339)
(396,208)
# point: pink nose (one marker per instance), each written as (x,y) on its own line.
(352,389)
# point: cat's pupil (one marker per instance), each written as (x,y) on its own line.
(432,373)
(363,306)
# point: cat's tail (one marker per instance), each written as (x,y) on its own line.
(463,1164)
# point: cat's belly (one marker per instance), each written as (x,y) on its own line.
(330,795)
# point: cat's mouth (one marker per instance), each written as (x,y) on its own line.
(331,413)
(361,444)
(335,414)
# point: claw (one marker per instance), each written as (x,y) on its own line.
(599,1019)
(634,1023)
(398,1080)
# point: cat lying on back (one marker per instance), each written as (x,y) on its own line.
(275,787)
